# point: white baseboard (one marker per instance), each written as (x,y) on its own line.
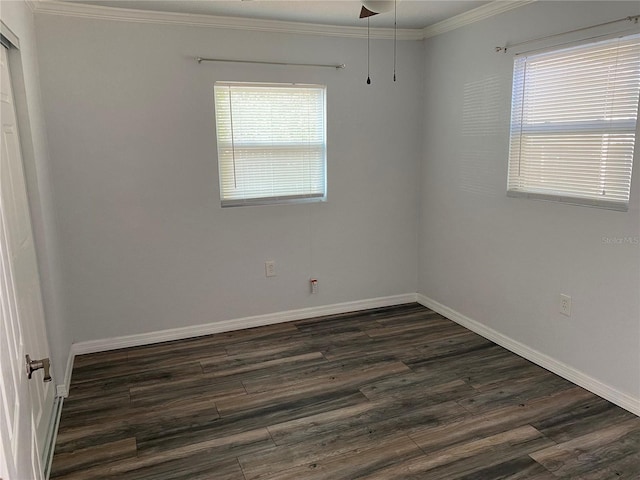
(605,391)
(52,435)
(601,389)
(62,390)
(93,346)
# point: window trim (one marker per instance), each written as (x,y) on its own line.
(276,199)
(518,129)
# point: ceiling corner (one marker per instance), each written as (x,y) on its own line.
(485,11)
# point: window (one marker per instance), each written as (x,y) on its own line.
(271,143)
(573,123)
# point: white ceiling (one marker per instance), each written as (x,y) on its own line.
(412,14)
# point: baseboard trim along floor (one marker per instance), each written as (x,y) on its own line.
(52,434)
(582,379)
(380,393)
(559,368)
(94,346)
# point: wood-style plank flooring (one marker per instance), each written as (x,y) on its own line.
(390,393)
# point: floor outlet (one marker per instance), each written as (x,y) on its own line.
(270,268)
(565,305)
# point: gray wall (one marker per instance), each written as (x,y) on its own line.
(504,261)
(24,71)
(417,170)
(144,242)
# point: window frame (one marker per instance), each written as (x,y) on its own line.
(519,130)
(318,195)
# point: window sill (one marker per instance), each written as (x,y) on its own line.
(272,201)
(584,202)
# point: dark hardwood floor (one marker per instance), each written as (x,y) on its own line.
(390,393)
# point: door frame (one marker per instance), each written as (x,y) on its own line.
(11,41)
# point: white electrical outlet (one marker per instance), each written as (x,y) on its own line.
(565,305)
(270,268)
(314,285)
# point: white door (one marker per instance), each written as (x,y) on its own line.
(25,405)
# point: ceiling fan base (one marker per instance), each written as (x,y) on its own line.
(365,12)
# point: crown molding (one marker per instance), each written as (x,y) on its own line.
(81,10)
(72,9)
(485,11)
(31,4)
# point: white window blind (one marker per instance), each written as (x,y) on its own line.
(271,143)
(573,123)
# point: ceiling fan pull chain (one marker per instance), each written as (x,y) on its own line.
(395,36)
(368,52)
